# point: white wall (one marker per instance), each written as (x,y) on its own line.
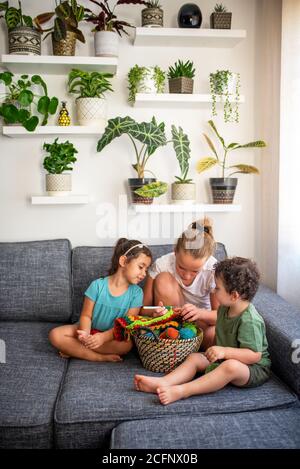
(289,222)
(102,175)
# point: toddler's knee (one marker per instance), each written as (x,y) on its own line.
(126,347)
(54,336)
(231,366)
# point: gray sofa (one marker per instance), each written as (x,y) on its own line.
(50,402)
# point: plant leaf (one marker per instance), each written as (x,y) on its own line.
(31,123)
(211,145)
(155,189)
(256,144)
(25,98)
(245,169)
(181,146)
(205,163)
(115,128)
(212,124)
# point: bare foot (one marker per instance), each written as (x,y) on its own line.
(168,394)
(63,355)
(109,357)
(147,383)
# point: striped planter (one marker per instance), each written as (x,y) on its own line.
(223,190)
(24,40)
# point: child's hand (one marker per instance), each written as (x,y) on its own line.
(191,313)
(215,353)
(94,341)
(82,336)
(159,311)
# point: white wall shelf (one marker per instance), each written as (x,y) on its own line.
(56,130)
(57,65)
(176,99)
(59,200)
(180,208)
(184,37)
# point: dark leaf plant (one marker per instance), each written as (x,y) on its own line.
(146,138)
(61,157)
(18,98)
(14,17)
(89,84)
(209,162)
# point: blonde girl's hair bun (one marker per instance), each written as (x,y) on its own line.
(205,225)
(197,240)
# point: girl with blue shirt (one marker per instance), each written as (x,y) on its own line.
(106,299)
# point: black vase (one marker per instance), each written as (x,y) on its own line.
(189,16)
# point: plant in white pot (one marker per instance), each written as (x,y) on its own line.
(181,77)
(146,138)
(108,27)
(23,37)
(145,80)
(225,85)
(91,88)
(60,159)
(223,188)
(153,15)
(184,189)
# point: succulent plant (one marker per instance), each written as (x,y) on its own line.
(220,8)
(181,69)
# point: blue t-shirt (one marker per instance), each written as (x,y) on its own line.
(107,307)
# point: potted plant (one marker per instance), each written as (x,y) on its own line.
(64,32)
(181,77)
(108,27)
(145,80)
(150,136)
(225,85)
(23,37)
(60,159)
(16,107)
(184,189)
(90,104)
(223,188)
(153,15)
(220,18)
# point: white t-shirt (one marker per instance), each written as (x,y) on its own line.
(198,293)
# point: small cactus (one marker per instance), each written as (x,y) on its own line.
(220,8)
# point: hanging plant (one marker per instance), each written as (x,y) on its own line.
(226,85)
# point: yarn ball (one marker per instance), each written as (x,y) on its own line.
(170,333)
(149,334)
(187,333)
(192,327)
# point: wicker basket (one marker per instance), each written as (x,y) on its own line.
(220,20)
(163,355)
(181,85)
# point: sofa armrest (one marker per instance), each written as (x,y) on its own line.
(283,334)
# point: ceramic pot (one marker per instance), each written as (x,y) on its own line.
(24,40)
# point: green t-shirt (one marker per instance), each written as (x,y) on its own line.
(244,331)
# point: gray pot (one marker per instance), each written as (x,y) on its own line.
(220,20)
(152,17)
(181,85)
(183,193)
(24,40)
(58,184)
(223,190)
(136,183)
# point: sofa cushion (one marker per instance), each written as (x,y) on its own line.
(252,430)
(30,380)
(35,281)
(84,417)
(283,334)
(89,263)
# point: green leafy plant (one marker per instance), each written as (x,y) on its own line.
(149,135)
(182,69)
(61,157)
(208,162)
(219,82)
(68,14)
(89,84)
(153,4)
(154,189)
(18,98)
(14,16)
(181,146)
(106,20)
(220,8)
(137,74)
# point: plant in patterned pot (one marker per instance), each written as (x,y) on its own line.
(181,77)
(146,138)
(90,104)
(107,27)
(65,29)
(223,188)
(60,159)
(23,37)
(153,14)
(183,189)
(220,18)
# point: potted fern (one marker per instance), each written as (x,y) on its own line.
(152,15)
(145,80)
(65,31)
(60,159)
(184,189)
(108,28)
(23,37)
(181,77)
(225,85)
(220,18)
(146,138)
(91,88)
(223,188)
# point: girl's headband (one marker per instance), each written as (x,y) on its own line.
(140,245)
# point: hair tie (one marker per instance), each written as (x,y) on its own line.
(140,245)
(201,228)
